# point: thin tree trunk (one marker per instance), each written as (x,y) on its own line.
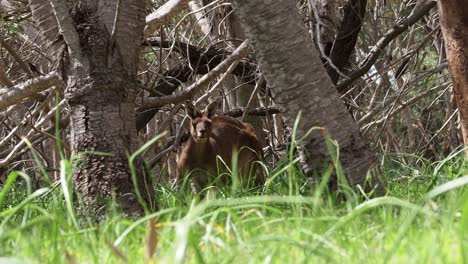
(454,23)
(301,84)
(343,46)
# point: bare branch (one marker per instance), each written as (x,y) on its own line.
(319,41)
(16,56)
(252,96)
(200,84)
(22,144)
(4,78)
(166,11)
(17,93)
(402,105)
(259,111)
(377,49)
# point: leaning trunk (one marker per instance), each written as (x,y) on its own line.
(300,83)
(454,23)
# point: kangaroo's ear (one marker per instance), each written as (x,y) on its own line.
(191,110)
(211,109)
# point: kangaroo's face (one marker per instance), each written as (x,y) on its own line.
(200,122)
(200,128)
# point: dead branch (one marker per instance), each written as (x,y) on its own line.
(4,78)
(398,109)
(199,62)
(30,134)
(165,12)
(198,85)
(16,56)
(345,41)
(17,93)
(43,15)
(203,60)
(259,111)
(377,49)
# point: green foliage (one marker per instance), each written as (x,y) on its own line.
(423,218)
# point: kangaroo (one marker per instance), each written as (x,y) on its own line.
(214,138)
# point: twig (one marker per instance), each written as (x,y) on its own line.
(398,109)
(252,96)
(22,143)
(218,83)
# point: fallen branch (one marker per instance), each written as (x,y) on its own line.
(199,62)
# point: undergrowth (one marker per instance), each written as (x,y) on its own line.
(423,218)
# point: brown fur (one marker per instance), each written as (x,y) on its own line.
(218,136)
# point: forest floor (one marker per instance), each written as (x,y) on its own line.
(423,218)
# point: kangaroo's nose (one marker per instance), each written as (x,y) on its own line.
(202,132)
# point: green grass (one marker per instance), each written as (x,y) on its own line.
(422,219)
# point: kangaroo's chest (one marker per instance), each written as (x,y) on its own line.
(214,157)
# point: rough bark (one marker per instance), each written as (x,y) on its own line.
(300,83)
(454,23)
(99,67)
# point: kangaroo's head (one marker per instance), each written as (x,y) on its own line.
(200,122)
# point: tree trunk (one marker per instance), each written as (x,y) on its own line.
(243,91)
(101,94)
(454,23)
(328,22)
(341,49)
(300,83)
